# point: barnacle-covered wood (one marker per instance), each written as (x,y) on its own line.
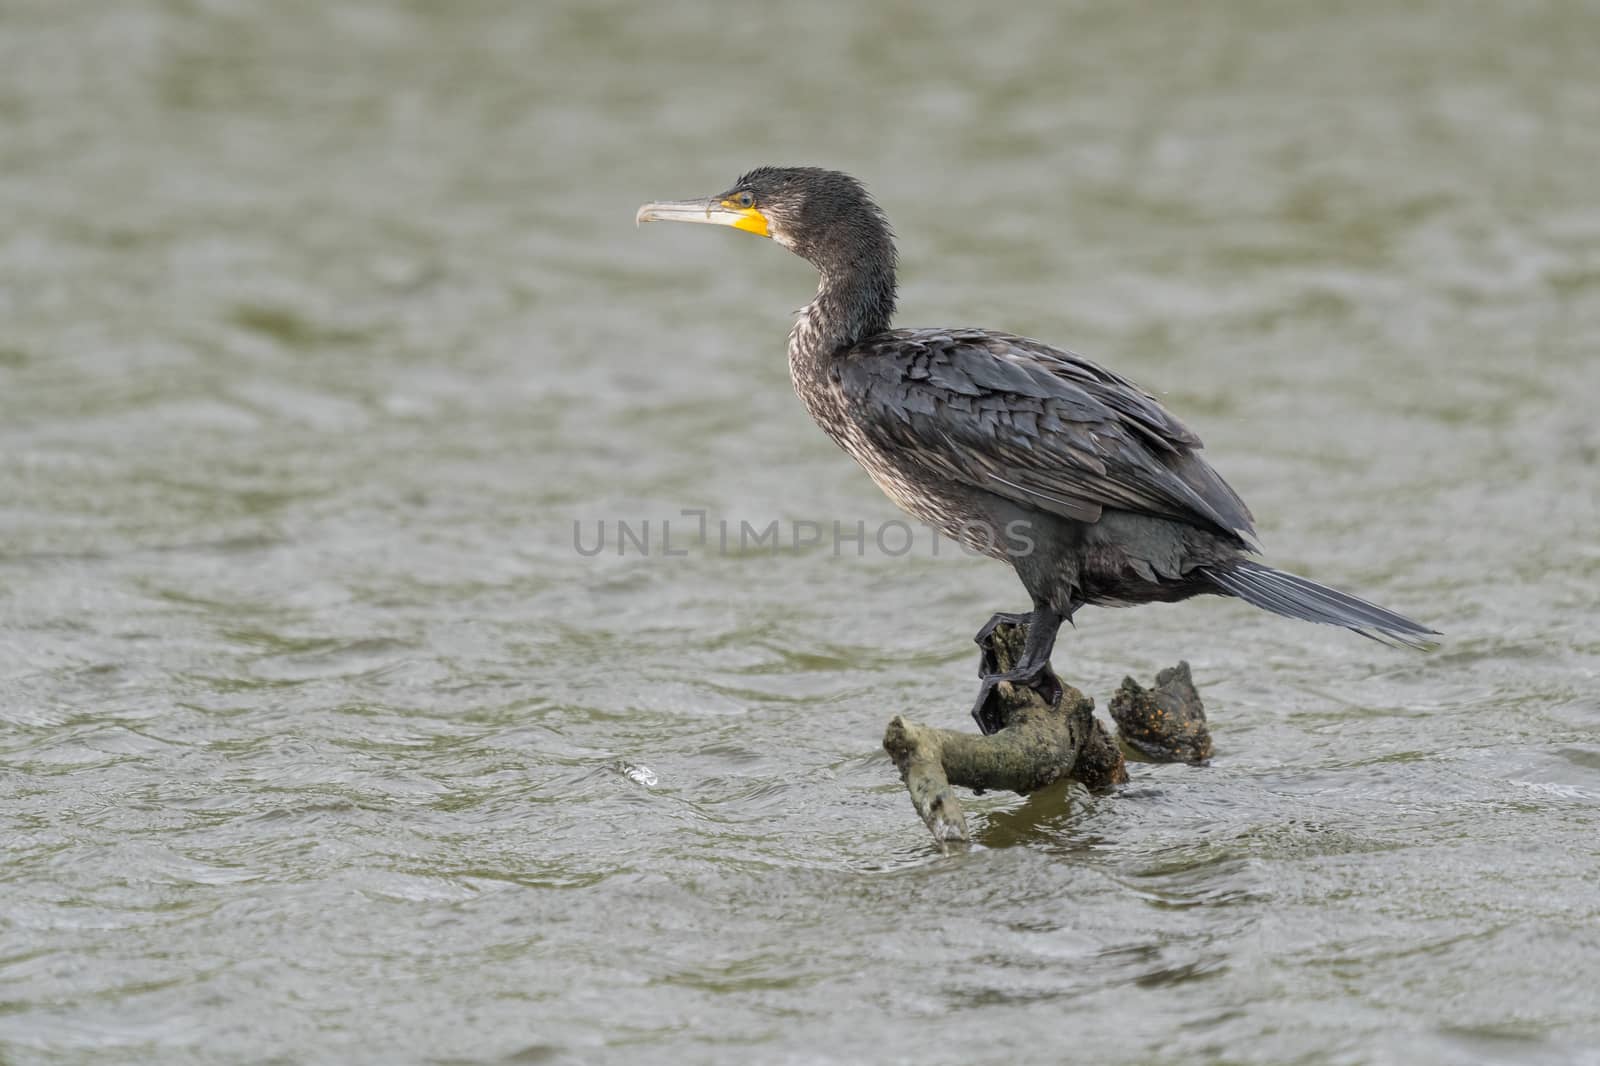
(1166,723)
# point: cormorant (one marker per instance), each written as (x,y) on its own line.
(1078,478)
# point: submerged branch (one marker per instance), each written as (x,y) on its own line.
(1041,742)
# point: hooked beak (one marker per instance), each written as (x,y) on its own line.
(718,212)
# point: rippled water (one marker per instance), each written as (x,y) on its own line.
(321,326)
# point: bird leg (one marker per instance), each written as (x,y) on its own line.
(1033,669)
(1042,623)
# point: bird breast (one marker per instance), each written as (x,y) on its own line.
(942,506)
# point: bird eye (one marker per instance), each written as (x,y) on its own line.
(746,199)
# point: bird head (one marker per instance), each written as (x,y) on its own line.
(821,215)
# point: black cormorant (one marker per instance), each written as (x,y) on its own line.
(1078,478)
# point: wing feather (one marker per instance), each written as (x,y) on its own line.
(1034,424)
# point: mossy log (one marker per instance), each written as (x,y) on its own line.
(1040,742)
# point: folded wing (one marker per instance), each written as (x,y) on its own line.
(1039,426)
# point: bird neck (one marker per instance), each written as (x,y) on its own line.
(853,302)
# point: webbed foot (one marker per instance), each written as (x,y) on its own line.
(986,710)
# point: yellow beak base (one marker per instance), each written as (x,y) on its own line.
(715,212)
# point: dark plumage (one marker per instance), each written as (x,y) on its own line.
(1092,490)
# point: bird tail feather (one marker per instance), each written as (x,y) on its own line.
(1296,597)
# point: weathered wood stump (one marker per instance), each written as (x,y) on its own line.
(1166,723)
(1041,742)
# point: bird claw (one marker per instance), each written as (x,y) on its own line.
(986,709)
(1000,618)
(984,638)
